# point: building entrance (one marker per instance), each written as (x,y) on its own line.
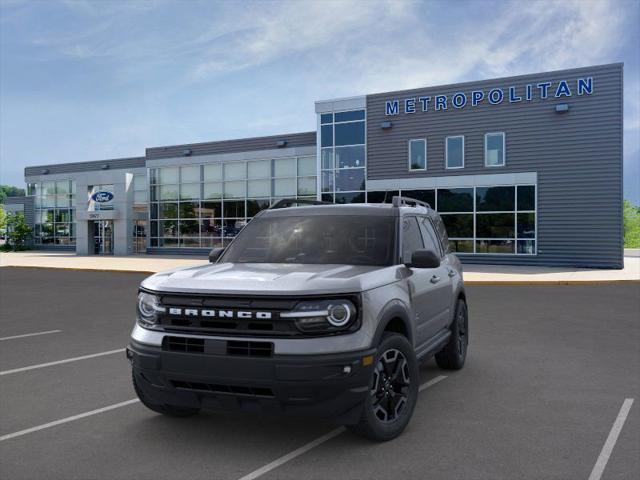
(103,237)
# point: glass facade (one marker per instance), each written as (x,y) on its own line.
(207,205)
(54,212)
(343,156)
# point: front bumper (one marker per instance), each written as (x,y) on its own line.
(308,385)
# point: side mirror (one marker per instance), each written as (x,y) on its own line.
(424,259)
(215,253)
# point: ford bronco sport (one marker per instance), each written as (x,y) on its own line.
(314,309)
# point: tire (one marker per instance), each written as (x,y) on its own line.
(393,391)
(454,353)
(169,410)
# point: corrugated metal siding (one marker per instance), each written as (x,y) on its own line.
(114,164)
(577,155)
(230,146)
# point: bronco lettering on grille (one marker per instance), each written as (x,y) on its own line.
(194,312)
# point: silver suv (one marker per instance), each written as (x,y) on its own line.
(311,310)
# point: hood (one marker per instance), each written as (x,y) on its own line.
(272,278)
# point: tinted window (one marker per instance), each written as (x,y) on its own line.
(495,225)
(348,116)
(442,233)
(326,118)
(411,238)
(382,197)
(428,196)
(326,131)
(459,225)
(526,197)
(455,152)
(429,236)
(350,179)
(455,200)
(355,197)
(348,134)
(495,199)
(417,154)
(315,239)
(494,149)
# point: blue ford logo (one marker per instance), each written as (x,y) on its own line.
(102,197)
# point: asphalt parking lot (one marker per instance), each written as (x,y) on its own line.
(548,372)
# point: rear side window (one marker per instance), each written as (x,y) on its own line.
(429,236)
(411,238)
(441,231)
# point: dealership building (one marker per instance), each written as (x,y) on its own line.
(524,170)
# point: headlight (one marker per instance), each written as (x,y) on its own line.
(148,309)
(323,316)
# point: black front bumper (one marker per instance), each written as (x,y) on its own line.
(308,385)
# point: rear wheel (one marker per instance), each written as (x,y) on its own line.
(454,353)
(169,410)
(393,391)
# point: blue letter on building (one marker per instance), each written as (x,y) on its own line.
(544,86)
(410,105)
(585,85)
(512,95)
(529,94)
(425,103)
(391,107)
(496,96)
(459,100)
(563,89)
(476,97)
(441,102)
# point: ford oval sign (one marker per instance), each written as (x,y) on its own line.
(102,197)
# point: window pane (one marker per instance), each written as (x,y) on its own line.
(455,152)
(350,157)
(234,208)
(234,171)
(417,154)
(327,181)
(140,196)
(495,199)
(526,225)
(189,228)
(211,242)
(49,188)
(429,236)
(382,197)
(455,200)
(494,151)
(167,210)
(154,176)
(189,209)
(210,228)
(284,167)
(259,169)
(411,238)
(189,174)
(168,175)
(326,118)
(234,189)
(306,185)
(349,116)
(259,188)
(213,172)
(459,226)
(284,187)
(495,225)
(213,190)
(231,227)
(169,192)
(328,197)
(461,246)
(168,228)
(189,191)
(347,198)
(62,187)
(526,247)
(306,166)
(428,196)
(326,134)
(327,158)
(211,210)
(526,197)
(349,133)
(255,206)
(350,179)
(139,182)
(154,210)
(495,246)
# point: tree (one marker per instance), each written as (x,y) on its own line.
(631,225)
(17,231)
(3,219)
(9,191)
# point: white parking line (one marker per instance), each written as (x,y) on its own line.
(318,441)
(607,449)
(30,334)
(66,360)
(68,419)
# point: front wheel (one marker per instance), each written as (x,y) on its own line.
(393,391)
(454,353)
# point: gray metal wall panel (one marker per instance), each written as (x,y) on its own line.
(230,146)
(114,164)
(577,155)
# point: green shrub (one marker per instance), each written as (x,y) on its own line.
(631,225)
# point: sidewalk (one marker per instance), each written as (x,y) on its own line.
(473,274)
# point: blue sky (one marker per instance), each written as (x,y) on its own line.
(87,80)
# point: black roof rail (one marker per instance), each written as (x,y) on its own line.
(407,201)
(291,202)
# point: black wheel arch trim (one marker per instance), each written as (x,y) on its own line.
(393,310)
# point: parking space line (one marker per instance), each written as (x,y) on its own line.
(30,335)
(68,419)
(59,362)
(607,449)
(318,441)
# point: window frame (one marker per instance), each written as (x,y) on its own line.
(426,164)
(504,149)
(446,152)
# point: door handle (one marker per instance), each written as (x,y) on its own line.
(435,279)
(452,273)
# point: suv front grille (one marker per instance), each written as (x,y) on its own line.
(230,389)
(250,349)
(183,344)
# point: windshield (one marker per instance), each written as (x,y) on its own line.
(349,240)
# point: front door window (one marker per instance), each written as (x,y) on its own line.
(103,237)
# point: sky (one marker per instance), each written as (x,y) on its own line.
(88,80)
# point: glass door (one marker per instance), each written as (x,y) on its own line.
(103,237)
